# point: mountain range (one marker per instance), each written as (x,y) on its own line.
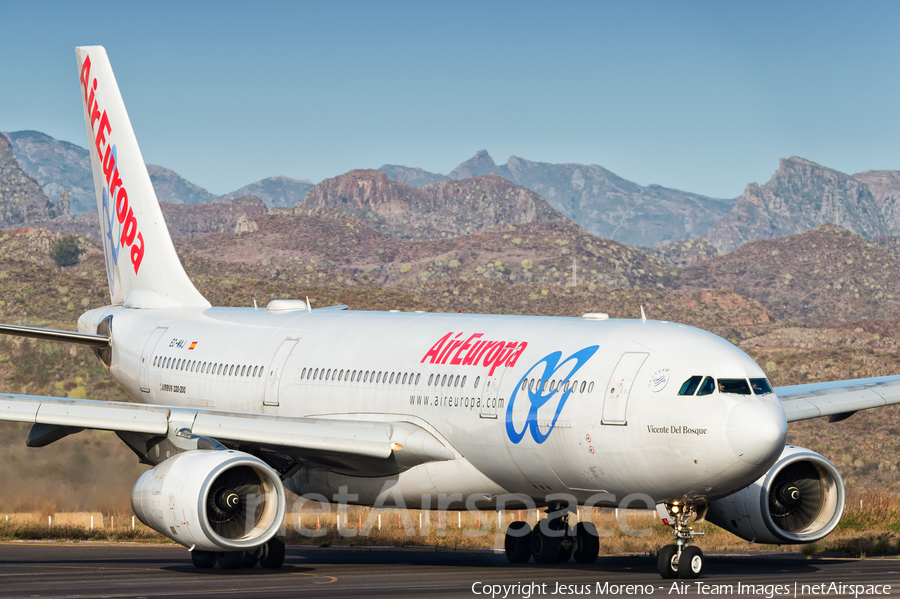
(800,196)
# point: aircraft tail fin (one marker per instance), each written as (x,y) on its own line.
(141,262)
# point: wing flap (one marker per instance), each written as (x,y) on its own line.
(802,402)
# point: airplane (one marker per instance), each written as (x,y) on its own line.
(437,411)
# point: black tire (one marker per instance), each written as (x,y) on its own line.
(587,543)
(271,555)
(204,559)
(566,547)
(544,548)
(668,561)
(231,560)
(249,559)
(517,543)
(690,565)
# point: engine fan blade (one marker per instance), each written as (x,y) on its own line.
(795,498)
(232,522)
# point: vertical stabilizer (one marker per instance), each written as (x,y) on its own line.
(141,263)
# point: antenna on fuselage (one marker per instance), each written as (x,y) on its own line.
(643,316)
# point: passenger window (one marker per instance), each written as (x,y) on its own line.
(591,387)
(417,378)
(353,377)
(391,379)
(690,385)
(254,372)
(707,387)
(760,386)
(456,382)
(261,369)
(430,380)
(463,384)
(328,375)
(734,386)
(378,378)
(231,370)
(553,386)
(477,380)
(303,374)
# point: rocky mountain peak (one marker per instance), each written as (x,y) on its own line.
(480,164)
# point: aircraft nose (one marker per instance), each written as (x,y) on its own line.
(757,430)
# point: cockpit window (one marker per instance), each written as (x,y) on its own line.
(708,386)
(690,385)
(736,386)
(760,386)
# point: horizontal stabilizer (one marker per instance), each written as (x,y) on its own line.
(55,335)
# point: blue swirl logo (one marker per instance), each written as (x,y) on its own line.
(538,397)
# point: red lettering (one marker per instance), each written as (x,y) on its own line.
(436,349)
(116,182)
(86,77)
(137,252)
(102,130)
(109,165)
(501,357)
(515,356)
(122,204)
(457,358)
(472,354)
(129,229)
(493,348)
(442,359)
(95,112)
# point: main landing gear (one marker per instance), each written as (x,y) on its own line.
(552,541)
(681,560)
(270,555)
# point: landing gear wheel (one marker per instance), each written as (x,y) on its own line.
(566,547)
(203,560)
(544,548)
(691,562)
(249,559)
(668,561)
(271,555)
(587,543)
(517,543)
(231,560)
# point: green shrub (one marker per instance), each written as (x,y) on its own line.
(66,252)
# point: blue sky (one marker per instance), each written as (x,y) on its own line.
(699,96)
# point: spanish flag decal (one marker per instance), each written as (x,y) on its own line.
(193,345)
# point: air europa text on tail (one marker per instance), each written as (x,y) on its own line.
(99,121)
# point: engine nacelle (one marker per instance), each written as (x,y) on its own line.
(212,500)
(799,500)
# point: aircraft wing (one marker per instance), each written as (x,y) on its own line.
(838,399)
(347,445)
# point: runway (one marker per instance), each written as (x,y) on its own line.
(29,569)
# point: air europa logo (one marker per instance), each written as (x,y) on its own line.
(114,191)
(472,350)
(540,395)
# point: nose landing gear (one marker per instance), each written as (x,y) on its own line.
(552,540)
(681,560)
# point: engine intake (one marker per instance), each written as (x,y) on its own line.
(212,500)
(799,500)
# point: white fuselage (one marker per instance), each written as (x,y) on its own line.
(530,405)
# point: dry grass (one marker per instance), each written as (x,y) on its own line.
(870,528)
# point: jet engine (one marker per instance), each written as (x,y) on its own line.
(799,500)
(211,500)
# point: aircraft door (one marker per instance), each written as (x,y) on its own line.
(276,371)
(147,357)
(490,395)
(619,388)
